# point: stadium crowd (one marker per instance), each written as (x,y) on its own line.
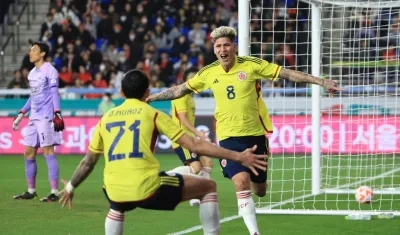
(94,42)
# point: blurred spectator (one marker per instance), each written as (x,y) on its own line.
(49,26)
(106,104)
(159,37)
(197,35)
(99,82)
(65,76)
(180,46)
(390,53)
(17,82)
(84,76)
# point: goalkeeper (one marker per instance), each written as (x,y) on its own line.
(233,80)
(45,122)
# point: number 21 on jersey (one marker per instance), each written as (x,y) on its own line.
(133,130)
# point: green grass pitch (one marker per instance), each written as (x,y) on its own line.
(90,207)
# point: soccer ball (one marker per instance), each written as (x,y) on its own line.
(364,194)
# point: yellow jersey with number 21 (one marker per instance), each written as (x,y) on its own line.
(236,95)
(127,135)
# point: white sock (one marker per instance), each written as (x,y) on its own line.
(209,214)
(248,211)
(185,170)
(205,172)
(54,191)
(114,224)
(31,190)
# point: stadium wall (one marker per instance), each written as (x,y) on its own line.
(292,134)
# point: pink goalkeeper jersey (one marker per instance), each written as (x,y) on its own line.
(41,81)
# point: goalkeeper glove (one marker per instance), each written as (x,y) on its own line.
(17,120)
(58,121)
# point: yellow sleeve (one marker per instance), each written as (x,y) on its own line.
(264,115)
(180,104)
(266,70)
(96,144)
(198,83)
(166,126)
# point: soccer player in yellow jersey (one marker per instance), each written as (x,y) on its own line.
(132,178)
(233,81)
(183,114)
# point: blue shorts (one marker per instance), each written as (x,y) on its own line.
(186,156)
(166,197)
(239,144)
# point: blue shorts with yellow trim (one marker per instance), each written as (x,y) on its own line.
(239,144)
(166,197)
(186,156)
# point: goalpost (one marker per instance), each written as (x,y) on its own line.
(356,43)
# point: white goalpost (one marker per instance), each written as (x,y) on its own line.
(324,148)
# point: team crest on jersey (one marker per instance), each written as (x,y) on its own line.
(242,76)
(194,155)
(223,163)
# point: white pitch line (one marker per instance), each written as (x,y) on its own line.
(199,227)
(230,218)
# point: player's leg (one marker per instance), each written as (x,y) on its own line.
(114,223)
(196,166)
(191,165)
(48,139)
(203,165)
(240,177)
(259,183)
(177,188)
(205,190)
(185,156)
(31,143)
(206,166)
(246,205)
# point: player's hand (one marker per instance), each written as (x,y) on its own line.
(149,99)
(66,197)
(17,120)
(253,161)
(203,135)
(331,87)
(58,121)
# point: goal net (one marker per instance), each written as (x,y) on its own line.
(357,44)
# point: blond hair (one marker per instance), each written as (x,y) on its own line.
(223,32)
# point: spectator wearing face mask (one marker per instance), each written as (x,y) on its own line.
(106,104)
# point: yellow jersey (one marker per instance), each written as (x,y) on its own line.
(127,135)
(235,93)
(263,111)
(183,104)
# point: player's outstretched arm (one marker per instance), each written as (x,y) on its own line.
(83,170)
(297,76)
(185,122)
(206,148)
(171,93)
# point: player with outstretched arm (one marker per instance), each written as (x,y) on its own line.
(233,80)
(132,179)
(183,114)
(45,122)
